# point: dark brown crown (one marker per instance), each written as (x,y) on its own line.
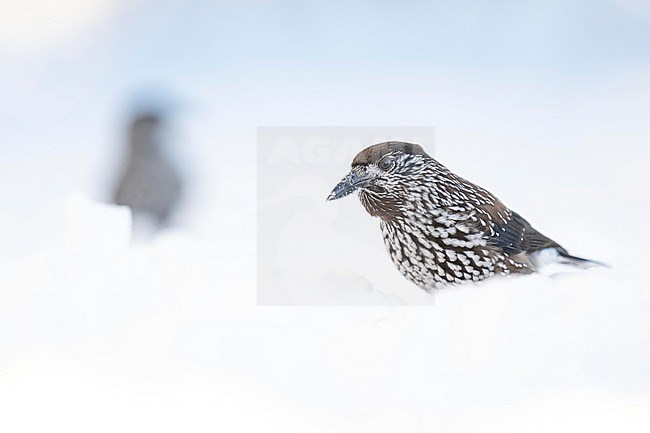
(372,154)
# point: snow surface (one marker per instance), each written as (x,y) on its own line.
(167,334)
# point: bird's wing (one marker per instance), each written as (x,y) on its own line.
(511,232)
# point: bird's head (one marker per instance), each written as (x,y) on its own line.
(383,174)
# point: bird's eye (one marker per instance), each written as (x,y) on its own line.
(386,163)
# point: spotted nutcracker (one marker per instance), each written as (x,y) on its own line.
(438,227)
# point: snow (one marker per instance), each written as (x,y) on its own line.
(167,335)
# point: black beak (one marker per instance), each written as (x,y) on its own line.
(354,180)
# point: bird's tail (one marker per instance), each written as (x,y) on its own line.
(568,259)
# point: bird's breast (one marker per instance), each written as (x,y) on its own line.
(432,253)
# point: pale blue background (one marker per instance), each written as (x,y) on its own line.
(543,103)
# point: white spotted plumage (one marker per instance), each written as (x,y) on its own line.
(438,228)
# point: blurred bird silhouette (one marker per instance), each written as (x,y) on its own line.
(148,182)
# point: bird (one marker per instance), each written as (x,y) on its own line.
(440,229)
(148,182)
